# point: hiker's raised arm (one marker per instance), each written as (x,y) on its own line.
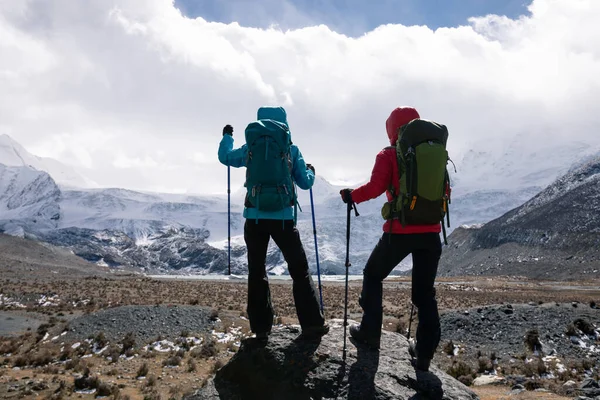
(227,155)
(381,177)
(303,176)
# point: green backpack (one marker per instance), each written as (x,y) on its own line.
(424,181)
(269,166)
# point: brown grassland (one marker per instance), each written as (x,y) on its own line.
(33,366)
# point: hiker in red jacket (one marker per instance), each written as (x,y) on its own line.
(422,241)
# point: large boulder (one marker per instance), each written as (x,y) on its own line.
(289,368)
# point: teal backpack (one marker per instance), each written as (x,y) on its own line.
(269,166)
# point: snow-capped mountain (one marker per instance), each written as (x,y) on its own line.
(12,154)
(160,233)
(169,233)
(555,234)
(29,200)
(516,164)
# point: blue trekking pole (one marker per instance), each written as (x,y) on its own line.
(229,219)
(312,207)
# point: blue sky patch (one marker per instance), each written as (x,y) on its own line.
(351,17)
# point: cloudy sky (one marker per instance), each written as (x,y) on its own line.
(134,93)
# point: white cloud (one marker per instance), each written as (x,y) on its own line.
(135,94)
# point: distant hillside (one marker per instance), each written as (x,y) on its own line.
(28,259)
(554,235)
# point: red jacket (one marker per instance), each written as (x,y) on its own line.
(385,172)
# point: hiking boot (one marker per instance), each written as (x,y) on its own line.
(361,337)
(314,332)
(412,348)
(421,364)
(262,336)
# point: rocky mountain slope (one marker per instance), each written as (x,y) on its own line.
(21,258)
(554,235)
(29,200)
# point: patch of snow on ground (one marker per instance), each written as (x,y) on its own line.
(80,303)
(553,361)
(96,350)
(233,335)
(162,346)
(86,391)
(47,301)
(8,301)
(194,341)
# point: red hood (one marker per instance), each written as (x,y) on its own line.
(400,116)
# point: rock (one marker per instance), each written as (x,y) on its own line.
(589,384)
(289,368)
(570,384)
(484,380)
(516,389)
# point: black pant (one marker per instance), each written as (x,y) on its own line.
(287,238)
(426,249)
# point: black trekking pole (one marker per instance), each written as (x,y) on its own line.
(348,210)
(412,309)
(229,220)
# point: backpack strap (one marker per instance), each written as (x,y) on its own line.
(399,161)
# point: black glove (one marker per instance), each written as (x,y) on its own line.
(309,166)
(346,195)
(228,130)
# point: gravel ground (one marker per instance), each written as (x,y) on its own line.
(12,324)
(503,328)
(146,322)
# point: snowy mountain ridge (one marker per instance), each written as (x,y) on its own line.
(170,233)
(554,235)
(12,154)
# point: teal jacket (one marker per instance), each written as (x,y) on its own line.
(303,177)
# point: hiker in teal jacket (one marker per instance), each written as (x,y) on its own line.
(280,225)
(302,173)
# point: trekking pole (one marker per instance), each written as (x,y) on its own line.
(348,210)
(229,220)
(312,207)
(412,309)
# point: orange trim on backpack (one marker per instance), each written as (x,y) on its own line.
(412,204)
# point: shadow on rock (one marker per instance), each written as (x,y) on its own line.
(275,369)
(361,380)
(428,387)
(288,368)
